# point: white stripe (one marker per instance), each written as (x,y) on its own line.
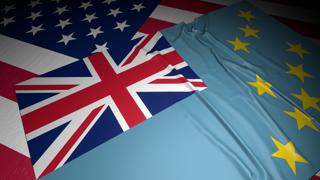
(11,129)
(138,35)
(75,145)
(30,57)
(56,81)
(172,77)
(173,15)
(180,65)
(195,80)
(318,174)
(181,87)
(39,91)
(277,9)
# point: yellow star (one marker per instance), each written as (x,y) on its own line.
(302,119)
(307,101)
(298,49)
(239,45)
(262,87)
(246,15)
(288,153)
(248,31)
(298,71)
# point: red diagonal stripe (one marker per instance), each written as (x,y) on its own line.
(61,154)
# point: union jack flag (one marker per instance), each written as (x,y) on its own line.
(72,109)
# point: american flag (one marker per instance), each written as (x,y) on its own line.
(75,29)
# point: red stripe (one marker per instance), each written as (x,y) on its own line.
(152,25)
(198,84)
(192,5)
(61,154)
(170,81)
(304,28)
(45,87)
(178,81)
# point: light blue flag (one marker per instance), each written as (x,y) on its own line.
(258,118)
